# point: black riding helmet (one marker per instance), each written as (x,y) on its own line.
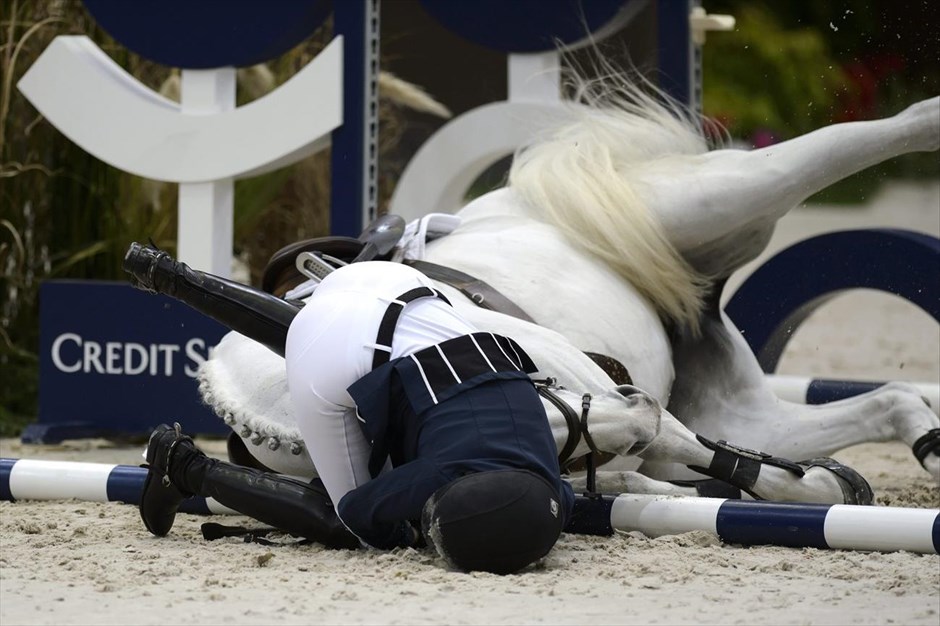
(498,521)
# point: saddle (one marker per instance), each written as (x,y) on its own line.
(376,243)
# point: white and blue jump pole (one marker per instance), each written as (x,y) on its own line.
(745,522)
(804,390)
(24,479)
(749,522)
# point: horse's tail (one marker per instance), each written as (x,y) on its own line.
(580,178)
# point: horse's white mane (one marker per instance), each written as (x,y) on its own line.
(579,178)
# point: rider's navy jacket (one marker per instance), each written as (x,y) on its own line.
(465,405)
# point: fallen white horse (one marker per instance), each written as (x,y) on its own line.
(616,234)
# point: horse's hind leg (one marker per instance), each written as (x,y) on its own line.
(893,412)
(718,209)
(720,392)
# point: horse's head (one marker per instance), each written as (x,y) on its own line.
(622,421)
(640,419)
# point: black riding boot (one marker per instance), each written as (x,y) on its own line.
(251,312)
(178,469)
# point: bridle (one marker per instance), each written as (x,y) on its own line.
(577,428)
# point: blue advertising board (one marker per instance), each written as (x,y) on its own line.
(524,25)
(117,361)
(206,35)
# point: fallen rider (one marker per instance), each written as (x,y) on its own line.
(422,429)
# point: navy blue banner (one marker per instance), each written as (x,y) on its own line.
(524,25)
(117,360)
(206,35)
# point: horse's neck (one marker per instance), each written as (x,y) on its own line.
(500,209)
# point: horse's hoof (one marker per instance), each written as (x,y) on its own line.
(927,444)
(927,452)
(855,489)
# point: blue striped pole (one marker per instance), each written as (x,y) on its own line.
(25,479)
(749,522)
(803,390)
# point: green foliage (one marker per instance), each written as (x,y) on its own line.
(762,77)
(790,67)
(60,208)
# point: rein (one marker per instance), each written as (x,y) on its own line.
(591,457)
(544,388)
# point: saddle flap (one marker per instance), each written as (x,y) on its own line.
(376,242)
(281,274)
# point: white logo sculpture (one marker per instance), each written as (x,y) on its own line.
(438,176)
(204,143)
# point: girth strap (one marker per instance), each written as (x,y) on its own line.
(383,338)
(487,297)
(482,294)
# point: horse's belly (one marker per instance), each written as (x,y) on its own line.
(641,345)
